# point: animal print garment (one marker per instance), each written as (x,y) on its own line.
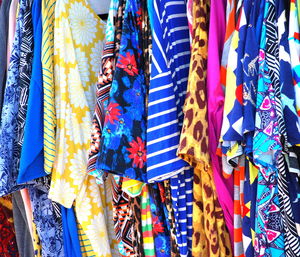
(165,193)
(210,235)
(137,239)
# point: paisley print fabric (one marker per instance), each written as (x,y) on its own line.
(8,243)
(123,146)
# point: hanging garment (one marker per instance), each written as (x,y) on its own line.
(210,216)
(266,145)
(169,72)
(293,186)
(104,82)
(25,70)
(287,120)
(250,78)
(147,226)
(11,28)
(294,44)
(160,232)
(23,235)
(4,25)
(36,242)
(47,222)
(122,148)
(215,102)
(165,193)
(9,157)
(182,204)
(49,118)
(233,137)
(77,54)
(70,234)
(32,159)
(123,218)
(77,47)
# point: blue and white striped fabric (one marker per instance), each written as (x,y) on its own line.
(182,201)
(168,83)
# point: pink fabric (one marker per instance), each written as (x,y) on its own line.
(28,209)
(11,27)
(215,95)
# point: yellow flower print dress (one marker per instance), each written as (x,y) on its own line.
(78,45)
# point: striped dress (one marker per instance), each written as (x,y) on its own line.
(168,83)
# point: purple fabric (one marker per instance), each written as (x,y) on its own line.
(215,97)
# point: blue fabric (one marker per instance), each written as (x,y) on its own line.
(70,233)
(168,84)
(47,222)
(269,238)
(32,157)
(250,78)
(182,199)
(161,233)
(123,148)
(288,98)
(8,137)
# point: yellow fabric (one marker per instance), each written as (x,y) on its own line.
(48,8)
(132,187)
(85,244)
(78,45)
(37,247)
(210,235)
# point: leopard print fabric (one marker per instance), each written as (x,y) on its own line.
(210,235)
(137,239)
(165,192)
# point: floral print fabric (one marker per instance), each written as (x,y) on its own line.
(123,147)
(78,45)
